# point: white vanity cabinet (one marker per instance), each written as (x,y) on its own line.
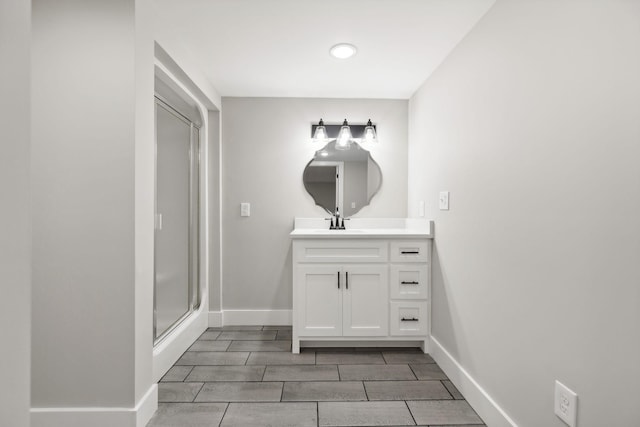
(364,288)
(342,300)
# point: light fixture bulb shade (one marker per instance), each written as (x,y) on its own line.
(344,137)
(369,133)
(320,134)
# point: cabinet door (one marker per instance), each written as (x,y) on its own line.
(365,300)
(319,300)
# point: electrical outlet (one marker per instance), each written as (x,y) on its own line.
(565,404)
(444,200)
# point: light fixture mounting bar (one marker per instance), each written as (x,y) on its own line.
(357,131)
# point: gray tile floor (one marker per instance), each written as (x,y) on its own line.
(247,376)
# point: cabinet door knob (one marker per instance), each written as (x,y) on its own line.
(413,319)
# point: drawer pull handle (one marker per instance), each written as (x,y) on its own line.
(409,252)
(347,279)
(413,319)
(338,280)
(409,283)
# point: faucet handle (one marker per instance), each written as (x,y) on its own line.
(333,224)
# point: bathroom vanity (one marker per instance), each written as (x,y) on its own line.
(367,285)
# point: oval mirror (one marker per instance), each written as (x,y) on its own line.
(342,180)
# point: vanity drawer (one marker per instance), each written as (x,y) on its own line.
(408,318)
(409,281)
(409,251)
(343,250)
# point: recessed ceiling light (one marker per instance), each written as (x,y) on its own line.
(343,50)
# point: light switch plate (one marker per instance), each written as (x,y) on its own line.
(444,201)
(245,209)
(565,404)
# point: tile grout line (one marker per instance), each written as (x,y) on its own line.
(366,394)
(226,408)
(415,423)
(196,395)
(264,371)
(413,372)
(448,391)
(184,380)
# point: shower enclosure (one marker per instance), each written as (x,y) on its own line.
(176,287)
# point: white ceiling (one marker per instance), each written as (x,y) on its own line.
(280,48)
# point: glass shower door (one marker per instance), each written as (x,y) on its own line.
(176,236)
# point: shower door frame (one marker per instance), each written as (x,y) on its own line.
(194,291)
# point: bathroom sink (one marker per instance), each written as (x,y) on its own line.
(347,231)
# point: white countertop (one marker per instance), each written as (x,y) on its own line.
(364,228)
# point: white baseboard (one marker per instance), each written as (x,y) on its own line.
(147,406)
(215,319)
(492,414)
(249,317)
(138,416)
(169,350)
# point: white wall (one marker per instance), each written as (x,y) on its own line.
(265,148)
(144,168)
(15,243)
(92,110)
(532,125)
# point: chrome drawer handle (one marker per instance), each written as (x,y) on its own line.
(409,283)
(413,319)
(410,252)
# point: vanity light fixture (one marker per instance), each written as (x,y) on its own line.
(344,134)
(344,137)
(320,135)
(343,50)
(369,133)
